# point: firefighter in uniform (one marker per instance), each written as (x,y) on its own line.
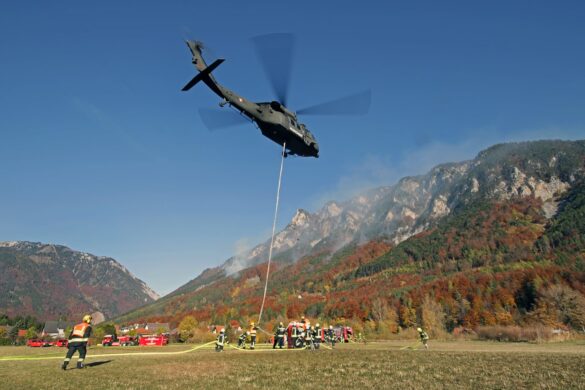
(279,336)
(317,335)
(242,340)
(331,336)
(78,342)
(308,335)
(303,321)
(294,334)
(253,330)
(300,335)
(424,337)
(220,341)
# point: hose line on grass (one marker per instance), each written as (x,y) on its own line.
(15,358)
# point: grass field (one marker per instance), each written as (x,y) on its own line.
(448,365)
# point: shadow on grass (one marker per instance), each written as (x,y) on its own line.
(94,364)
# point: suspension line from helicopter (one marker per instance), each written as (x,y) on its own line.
(283,156)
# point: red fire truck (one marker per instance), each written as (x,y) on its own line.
(153,340)
(113,341)
(38,343)
(127,340)
(343,333)
(61,343)
(108,340)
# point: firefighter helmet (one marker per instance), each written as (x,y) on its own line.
(281,324)
(419,329)
(87,318)
(330,326)
(317,325)
(222,330)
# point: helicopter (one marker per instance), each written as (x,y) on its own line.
(273,118)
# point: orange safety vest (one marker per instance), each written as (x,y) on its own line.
(78,332)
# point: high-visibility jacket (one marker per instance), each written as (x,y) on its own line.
(294,332)
(280,331)
(221,339)
(253,331)
(317,332)
(80,333)
(423,335)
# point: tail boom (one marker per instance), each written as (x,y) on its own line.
(204,70)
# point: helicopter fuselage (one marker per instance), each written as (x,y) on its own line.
(274,120)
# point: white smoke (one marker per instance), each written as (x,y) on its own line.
(241,258)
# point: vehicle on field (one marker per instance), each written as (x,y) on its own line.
(109,340)
(343,333)
(61,343)
(125,341)
(38,343)
(153,340)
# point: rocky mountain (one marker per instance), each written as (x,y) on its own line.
(53,281)
(498,240)
(541,169)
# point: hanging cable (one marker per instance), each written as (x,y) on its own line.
(273,231)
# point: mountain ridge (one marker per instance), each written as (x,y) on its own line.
(51,281)
(415,203)
(392,247)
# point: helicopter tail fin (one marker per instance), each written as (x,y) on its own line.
(196,48)
(203,75)
(204,70)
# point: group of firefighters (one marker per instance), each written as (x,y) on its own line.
(302,334)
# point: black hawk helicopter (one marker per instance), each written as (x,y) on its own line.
(273,119)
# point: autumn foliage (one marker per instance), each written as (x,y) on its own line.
(492,263)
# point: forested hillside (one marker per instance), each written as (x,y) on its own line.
(511,251)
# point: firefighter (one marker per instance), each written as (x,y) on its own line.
(220,341)
(294,334)
(424,337)
(242,340)
(317,335)
(253,330)
(308,336)
(331,335)
(300,335)
(78,342)
(303,320)
(279,336)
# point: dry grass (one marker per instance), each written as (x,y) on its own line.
(378,365)
(520,334)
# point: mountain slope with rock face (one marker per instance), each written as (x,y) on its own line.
(515,188)
(53,281)
(395,213)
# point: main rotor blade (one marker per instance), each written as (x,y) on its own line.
(356,104)
(275,52)
(214,118)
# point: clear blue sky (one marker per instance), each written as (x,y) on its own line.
(102,152)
